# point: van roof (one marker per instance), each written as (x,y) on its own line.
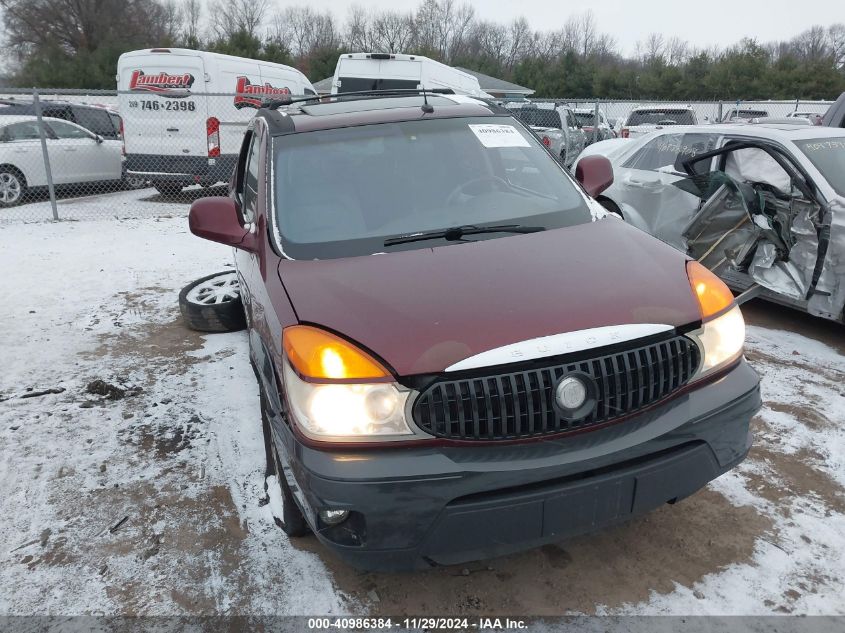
(206,54)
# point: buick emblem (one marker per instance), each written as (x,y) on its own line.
(571,393)
(576,395)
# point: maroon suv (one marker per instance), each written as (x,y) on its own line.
(460,354)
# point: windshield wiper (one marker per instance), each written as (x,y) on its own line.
(459,232)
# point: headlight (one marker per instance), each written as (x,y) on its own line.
(721,338)
(721,341)
(347,412)
(339,392)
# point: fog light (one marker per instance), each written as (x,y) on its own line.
(333,517)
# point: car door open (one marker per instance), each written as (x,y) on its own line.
(758,216)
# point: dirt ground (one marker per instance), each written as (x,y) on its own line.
(143,493)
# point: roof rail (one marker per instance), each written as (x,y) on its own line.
(354,96)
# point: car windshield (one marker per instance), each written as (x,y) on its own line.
(539,117)
(828,156)
(343,192)
(661,117)
(585,118)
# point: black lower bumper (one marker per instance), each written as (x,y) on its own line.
(183,169)
(417,507)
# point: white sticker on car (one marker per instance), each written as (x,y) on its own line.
(497,135)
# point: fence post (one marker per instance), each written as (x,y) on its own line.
(49,172)
(596,122)
(721,107)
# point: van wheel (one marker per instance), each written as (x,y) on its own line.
(12,186)
(167,188)
(289,517)
(213,303)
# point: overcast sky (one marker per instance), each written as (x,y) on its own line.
(701,23)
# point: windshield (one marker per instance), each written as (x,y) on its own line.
(343,192)
(828,156)
(538,117)
(661,117)
(585,118)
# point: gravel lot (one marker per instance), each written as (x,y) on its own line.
(150,499)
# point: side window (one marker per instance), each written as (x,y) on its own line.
(669,151)
(26,131)
(65,130)
(95,120)
(249,196)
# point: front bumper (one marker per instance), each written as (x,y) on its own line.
(414,507)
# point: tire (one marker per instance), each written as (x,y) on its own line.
(292,521)
(611,208)
(12,186)
(168,188)
(213,303)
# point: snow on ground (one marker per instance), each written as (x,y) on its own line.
(182,460)
(153,502)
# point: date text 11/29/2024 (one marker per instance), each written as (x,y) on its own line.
(417,623)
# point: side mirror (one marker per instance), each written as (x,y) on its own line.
(216,219)
(98,139)
(595,174)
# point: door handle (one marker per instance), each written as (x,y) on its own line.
(173,129)
(69,149)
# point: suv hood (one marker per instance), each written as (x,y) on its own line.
(426,309)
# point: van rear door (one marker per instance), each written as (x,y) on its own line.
(162,114)
(241,80)
(378,74)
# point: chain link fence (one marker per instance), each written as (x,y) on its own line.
(74,154)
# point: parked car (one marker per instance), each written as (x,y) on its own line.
(642,121)
(835,115)
(96,119)
(557,127)
(76,156)
(175,134)
(552,372)
(587,118)
(743,114)
(357,72)
(766,204)
(797,114)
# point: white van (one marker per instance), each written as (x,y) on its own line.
(356,72)
(174,133)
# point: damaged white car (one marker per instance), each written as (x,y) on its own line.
(760,205)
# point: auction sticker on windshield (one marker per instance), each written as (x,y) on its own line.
(495,135)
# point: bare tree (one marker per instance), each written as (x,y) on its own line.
(190,17)
(588,32)
(520,39)
(229,17)
(836,44)
(391,32)
(303,30)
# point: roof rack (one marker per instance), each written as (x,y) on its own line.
(354,96)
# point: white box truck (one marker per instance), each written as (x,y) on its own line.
(185,112)
(356,72)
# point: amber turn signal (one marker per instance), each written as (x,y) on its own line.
(316,353)
(711,292)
